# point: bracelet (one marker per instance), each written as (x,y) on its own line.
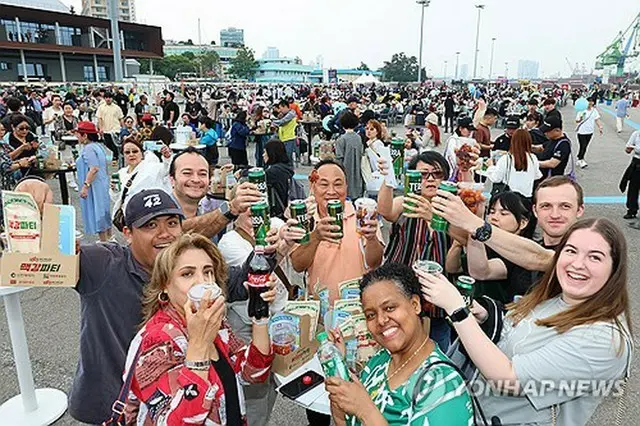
(198,365)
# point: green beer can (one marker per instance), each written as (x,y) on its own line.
(439,223)
(466,287)
(115,181)
(258,177)
(397,157)
(336,210)
(412,185)
(261,222)
(298,209)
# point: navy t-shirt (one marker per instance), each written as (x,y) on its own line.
(561,150)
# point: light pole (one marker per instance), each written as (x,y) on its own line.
(493,44)
(506,70)
(475,59)
(457,62)
(423,4)
(115,40)
(445,69)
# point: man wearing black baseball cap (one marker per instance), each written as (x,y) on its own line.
(557,153)
(503,142)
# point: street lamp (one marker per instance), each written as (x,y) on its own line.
(493,43)
(506,70)
(457,61)
(424,4)
(480,7)
(445,69)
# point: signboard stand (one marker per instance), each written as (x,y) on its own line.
(32,407)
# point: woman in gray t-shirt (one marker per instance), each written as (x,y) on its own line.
(565,345)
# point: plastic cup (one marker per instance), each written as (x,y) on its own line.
(366,209)
(427,266)
(283,341)
(196,293)
(471,194)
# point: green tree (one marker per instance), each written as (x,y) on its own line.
(244,65)
(208,63)
(363,67)
(402,68)
(170,65)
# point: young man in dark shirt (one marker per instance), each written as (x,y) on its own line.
(550,109)
(557,153)
(483,132)
(194,109)
(122,100)
(503,142)
(170,110)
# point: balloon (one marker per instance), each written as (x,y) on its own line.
(338,106)
(325,122)
(581,104)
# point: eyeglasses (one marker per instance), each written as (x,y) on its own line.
(436,174)
(22,128)
(131,152)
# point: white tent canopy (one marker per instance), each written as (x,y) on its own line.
(366,79)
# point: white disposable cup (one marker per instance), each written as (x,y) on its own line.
(196,293)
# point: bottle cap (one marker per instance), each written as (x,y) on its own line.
(322,337)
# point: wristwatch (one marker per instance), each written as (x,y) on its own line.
(483,233)
(458,315)
(87,184)
(225,209)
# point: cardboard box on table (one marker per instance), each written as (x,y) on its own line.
(49,267)
(286,364)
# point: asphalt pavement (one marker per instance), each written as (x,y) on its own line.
(52,315)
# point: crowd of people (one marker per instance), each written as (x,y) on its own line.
(551,302)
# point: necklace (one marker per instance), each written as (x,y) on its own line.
(407,361)
(390,376)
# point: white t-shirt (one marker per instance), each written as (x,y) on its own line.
(454,143)
(587,121)
(634,142)
(48,114)
(521,182)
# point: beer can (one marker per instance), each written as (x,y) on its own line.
(258,177)
(115,181)
(336,210)
(366,209)
(397,157)
(439,223)
(412,185)
(298,210)
(261,222)
(466,287)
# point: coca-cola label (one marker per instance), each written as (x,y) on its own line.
(258,280)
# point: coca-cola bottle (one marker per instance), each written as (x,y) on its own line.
(258,279)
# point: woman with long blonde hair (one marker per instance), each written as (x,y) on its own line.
(187,362)
(564,340)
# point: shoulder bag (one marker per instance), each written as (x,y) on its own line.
(119,405)
(500,187)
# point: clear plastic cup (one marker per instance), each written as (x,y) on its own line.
(196,293)
(366,209)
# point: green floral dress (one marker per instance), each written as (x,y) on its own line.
(441,395)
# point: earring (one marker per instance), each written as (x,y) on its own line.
(163,298)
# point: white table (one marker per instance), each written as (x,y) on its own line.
(32,407)
(181,147)
(317,399)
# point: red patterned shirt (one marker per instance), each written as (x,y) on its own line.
(170,393)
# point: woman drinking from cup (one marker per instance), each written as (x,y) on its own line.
(573,329)
(401,384)
(23,143)
(187,362)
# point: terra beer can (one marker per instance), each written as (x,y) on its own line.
(336,210)
(439,223)
(261,222)
(412,184)
(466,287)
(397,157)
(115,181)
(259,179)
(298,209)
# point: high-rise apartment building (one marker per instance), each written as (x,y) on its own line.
(271,53)
(232,37)
(100,9)
(528,69)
